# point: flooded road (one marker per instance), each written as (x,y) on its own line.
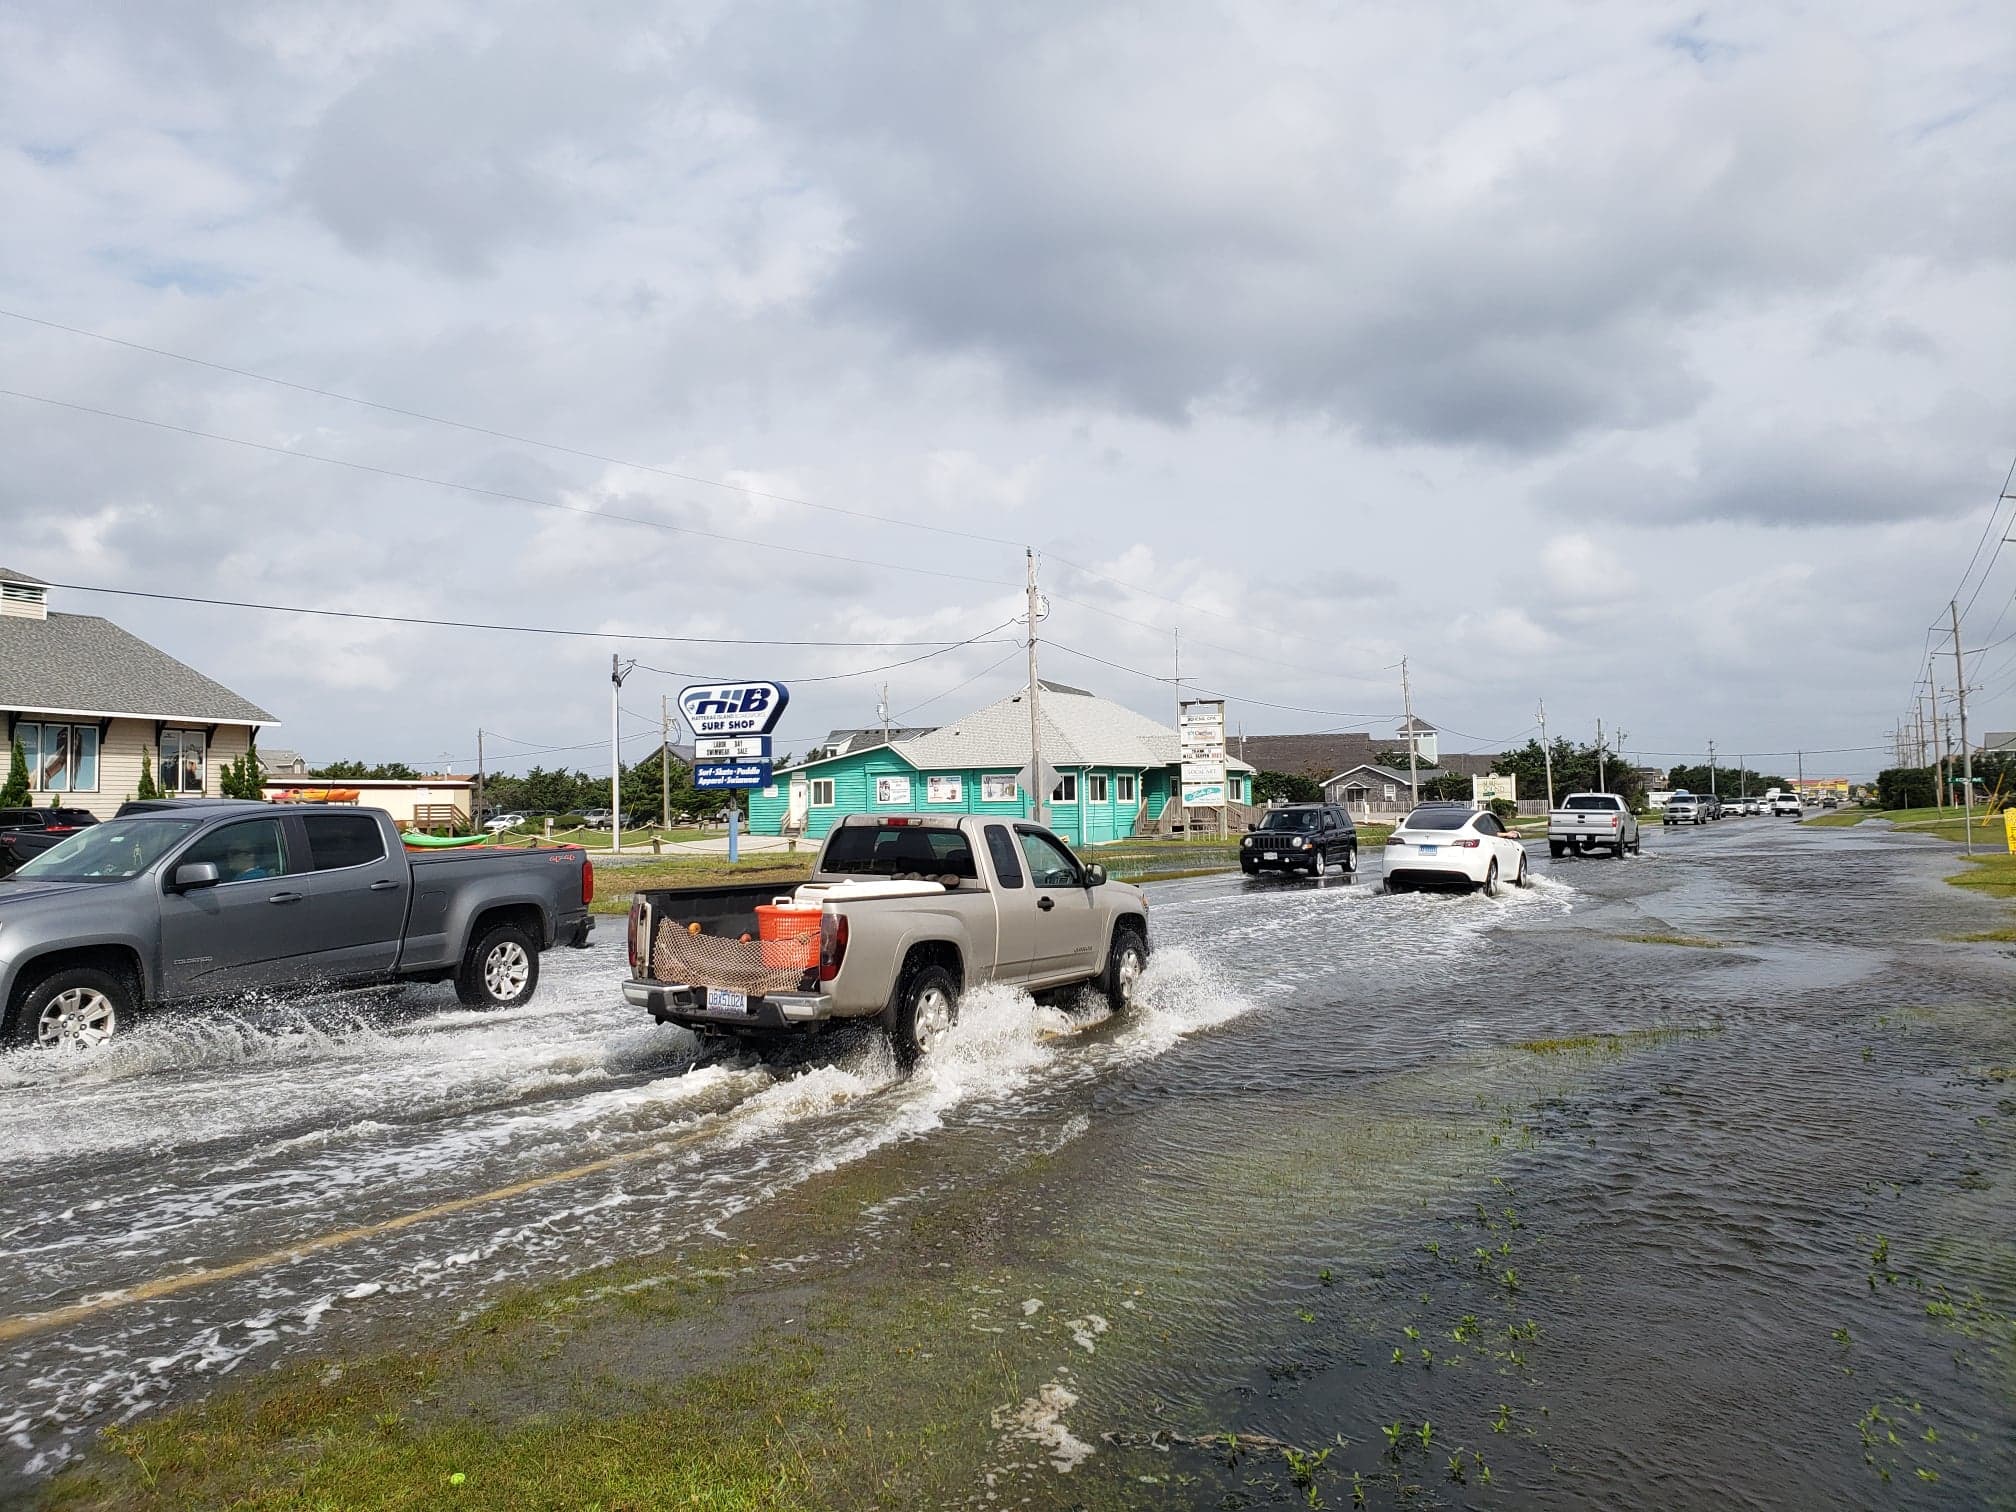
(1617,1219)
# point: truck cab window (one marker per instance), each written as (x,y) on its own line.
(1007,860)
(339,840)
(241,852)
(1050,865)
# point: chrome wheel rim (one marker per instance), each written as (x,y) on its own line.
(1131,966)
(83,1017)
(507,969)
(933,1018)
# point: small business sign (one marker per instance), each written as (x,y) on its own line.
(1204,795)
(944,790)
(734,708)
(999,789)
(1488,789)
(711,775)
(732,748)
(892,789)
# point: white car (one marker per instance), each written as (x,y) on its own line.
(1453,845)
(498,823)
(1785,803)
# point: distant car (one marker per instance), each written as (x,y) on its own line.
(1684,808)
(27,832)
(1300,836)
(1786,804)
(1830,801)
(498,823)
(1453,845)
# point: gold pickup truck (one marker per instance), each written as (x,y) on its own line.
(903,914)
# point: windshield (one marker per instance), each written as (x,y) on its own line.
(906,851)
(109,852)
(1438,818)
(1293,822)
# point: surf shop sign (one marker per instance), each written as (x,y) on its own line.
(731,731)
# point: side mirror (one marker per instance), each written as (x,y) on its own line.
(196,874)
(1095,875)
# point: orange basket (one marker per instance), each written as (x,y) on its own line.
(789,933)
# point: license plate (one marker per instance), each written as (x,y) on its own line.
(1429,850)
(732,1002)
(1270,855)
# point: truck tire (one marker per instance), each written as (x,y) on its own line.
(924,1011)
(1557,848)
(1124,964)
(76,1006)
(1617,851)
(501,969)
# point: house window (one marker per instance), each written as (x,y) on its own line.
(61,758)
(1391,792)
(1098,793)
(1125,789)
(1066,790)
(183,763)
(822,792)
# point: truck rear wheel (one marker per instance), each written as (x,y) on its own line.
(1557,849)
(1124,964)
(501,969)
(926,1008)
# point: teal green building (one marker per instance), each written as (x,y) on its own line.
(1117,773)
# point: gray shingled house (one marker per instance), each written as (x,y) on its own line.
(91,704)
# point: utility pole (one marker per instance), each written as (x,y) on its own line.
(1602,782)
(1413,745)
(1966,752)
(1036,793)
(1938,745)
(617,672)
(479,816)
(1742,776)
(1546,754)
(664,762)
(1802,777)
(1711,769)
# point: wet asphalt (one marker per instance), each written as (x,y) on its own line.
(1738,1202)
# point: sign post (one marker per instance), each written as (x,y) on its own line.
(731,740)
(1200,741)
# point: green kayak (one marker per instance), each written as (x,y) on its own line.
(442,842)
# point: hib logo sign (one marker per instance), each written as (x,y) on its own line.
(747,708)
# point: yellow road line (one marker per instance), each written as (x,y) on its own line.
(168,1286)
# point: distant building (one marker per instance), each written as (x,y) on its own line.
(92,705)
(283,762)
(1117,772)
(1370,791)
(1320,757)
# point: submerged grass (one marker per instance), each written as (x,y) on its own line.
(1615,1042)
(1692,942)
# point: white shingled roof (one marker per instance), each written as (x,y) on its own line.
(1078,729)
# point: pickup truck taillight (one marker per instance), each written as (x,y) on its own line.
(587,881)
(832,944)
(639,947)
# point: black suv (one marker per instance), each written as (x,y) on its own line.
(27,832)
(1301,837)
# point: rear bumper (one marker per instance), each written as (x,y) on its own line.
(671,1003)
(1418,874)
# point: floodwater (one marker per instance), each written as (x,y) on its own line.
(1747,1238)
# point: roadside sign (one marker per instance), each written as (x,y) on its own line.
(732,748)
(733,708)
(710,775)
(2009,828)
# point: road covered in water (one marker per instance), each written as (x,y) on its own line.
(1684,1180)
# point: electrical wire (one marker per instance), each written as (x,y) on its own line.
(503,494)
(410,619)
(935,697)
(973,640)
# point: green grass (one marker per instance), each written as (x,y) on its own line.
(1992,874)
(1840,819)
(616,884)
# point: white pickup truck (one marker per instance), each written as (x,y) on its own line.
(902,915)
(1588,822)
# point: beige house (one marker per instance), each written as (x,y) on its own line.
(91,705)
(443,802)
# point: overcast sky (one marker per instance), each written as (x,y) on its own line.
(1654,360)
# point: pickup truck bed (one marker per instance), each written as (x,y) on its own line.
(911,912)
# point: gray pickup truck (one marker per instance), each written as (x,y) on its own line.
(201,899)
(911,911)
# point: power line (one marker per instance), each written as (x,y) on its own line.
(504,435)
(935,697)
(912,661)
(499,493)
(1189,682)
(410,619)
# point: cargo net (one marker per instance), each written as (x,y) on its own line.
(753,966)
